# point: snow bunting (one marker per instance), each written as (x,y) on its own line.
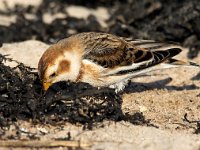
(103,60)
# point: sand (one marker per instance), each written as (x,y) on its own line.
(164,97)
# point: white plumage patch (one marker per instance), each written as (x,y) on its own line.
(119,86)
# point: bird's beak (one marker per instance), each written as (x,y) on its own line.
(46,85)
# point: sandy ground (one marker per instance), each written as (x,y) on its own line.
(164,97)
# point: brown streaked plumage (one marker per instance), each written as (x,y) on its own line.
(102,59)
(64,66)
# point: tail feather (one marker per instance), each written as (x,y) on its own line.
(158,57)
(151,44)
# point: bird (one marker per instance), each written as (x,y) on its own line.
(104,60)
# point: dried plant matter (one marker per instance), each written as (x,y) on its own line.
(22,97)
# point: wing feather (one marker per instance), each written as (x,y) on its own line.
(113,52)
(158,57)
(151,44)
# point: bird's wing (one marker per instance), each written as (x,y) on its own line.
(104,49)
(113,52)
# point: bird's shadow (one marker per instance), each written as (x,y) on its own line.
(158,84)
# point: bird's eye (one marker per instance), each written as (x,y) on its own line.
(52,75)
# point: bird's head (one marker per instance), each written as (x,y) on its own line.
(60,62)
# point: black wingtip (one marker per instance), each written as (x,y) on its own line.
(174,51)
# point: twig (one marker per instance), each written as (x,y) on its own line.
(46,143)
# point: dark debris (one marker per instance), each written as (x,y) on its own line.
(22,98)
(197,122)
